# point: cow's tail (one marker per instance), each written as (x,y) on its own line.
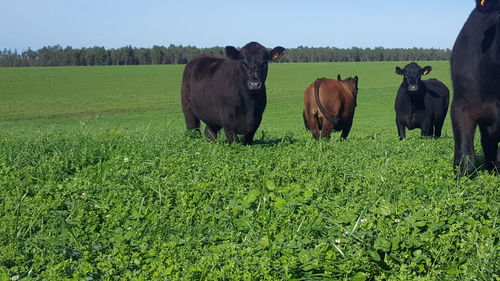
(334,120)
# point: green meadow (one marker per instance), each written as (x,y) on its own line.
(99,181)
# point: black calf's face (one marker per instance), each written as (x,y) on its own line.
(412,75)
(254,60)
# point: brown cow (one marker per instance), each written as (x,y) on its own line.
(329,106)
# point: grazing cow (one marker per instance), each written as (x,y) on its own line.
(227,93)
(475,69)
(329,106)
(420,103)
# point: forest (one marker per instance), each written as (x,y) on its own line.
(59,56)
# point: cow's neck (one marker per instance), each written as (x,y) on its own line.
(417,98)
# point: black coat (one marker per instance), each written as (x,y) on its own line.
(227,93)
(475,68)
(425,109)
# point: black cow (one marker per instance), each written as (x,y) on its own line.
(475,69)
(227,93)
(420,103)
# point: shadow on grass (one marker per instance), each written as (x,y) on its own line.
(287,139)
(262,140)
(275,142)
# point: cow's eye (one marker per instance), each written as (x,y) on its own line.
(244,63)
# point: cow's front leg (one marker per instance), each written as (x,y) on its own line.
(401,129)
(463,132)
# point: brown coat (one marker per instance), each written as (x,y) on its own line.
(329,106)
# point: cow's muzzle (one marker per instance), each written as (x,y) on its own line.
(412,88)
(254,85)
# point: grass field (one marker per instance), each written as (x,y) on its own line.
(98,181)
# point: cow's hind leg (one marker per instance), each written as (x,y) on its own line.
(231,135)
(347,128)
(438,126)
(489,142)
(427,132)
(463,133)
(327,129)
(427,129)
(313,124)
(248,138)
(211,133)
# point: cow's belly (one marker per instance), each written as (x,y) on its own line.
(232,120)
(208,112)
(414,124)
(415,121)
(220,111)
(419,119)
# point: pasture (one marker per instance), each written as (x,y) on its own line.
(99,181)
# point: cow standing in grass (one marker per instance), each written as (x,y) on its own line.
(329,106)
(475,69)
(227,93)
(420,103)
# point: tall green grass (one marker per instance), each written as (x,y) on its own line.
(99,182)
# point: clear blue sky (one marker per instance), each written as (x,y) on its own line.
(144,23)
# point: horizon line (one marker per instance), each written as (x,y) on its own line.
(193,46)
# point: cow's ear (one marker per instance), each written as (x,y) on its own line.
(338,77)
(480,4)
(277,53)
(426,70)
(232,53)
(400,71)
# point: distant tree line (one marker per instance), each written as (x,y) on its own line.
(58,56)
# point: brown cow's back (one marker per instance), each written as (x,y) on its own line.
(332,108)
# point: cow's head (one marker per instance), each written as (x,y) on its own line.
(354,82)
(253,59)
(490,18)
(487,5)
(412,75)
